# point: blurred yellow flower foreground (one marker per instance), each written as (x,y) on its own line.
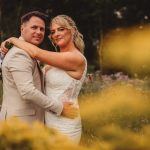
(17,135)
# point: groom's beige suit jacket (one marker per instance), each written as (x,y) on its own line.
(23,88)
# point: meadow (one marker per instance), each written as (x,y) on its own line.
(115,108)
(116,113)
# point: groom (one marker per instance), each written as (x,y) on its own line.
(23,81)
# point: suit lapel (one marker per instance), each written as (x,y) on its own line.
(41,77)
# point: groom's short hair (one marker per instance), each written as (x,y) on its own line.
(25,18)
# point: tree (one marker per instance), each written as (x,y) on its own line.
(94,18)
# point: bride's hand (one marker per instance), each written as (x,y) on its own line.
(69,110)
(5,46)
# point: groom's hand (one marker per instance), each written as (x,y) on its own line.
(69,110)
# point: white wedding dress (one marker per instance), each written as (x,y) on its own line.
(61,87)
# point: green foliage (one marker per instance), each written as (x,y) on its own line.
(94,18)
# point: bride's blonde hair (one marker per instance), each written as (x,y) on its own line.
(67,22)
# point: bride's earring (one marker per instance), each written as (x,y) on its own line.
(55,47)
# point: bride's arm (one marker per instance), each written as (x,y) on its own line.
(64,60)
(28,47)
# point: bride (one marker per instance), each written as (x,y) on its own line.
(65,70)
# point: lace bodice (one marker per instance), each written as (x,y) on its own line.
(61,86)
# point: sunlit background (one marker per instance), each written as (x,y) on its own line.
(127,50)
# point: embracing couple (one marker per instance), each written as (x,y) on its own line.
(49,95)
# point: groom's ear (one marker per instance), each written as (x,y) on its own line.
(21,28)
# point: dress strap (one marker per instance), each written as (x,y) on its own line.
(85,69)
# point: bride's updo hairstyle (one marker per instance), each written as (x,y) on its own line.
(66,22)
